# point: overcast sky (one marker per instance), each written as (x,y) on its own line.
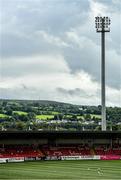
(49,50)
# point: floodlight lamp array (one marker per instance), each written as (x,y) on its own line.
(102,24)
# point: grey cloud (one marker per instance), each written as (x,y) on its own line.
(20,92)
(24,87)
(114,5)
(88,58)
(14,45)
(25,92)
(73,92)
(54,17)
(22,19)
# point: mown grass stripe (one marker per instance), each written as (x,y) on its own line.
(61,170)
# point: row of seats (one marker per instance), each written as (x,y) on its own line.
(20,151)
(66,151)
(108,151)
(31,151)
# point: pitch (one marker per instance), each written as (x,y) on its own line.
(62,170)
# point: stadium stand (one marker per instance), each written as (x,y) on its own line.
(19,151)
(31,151)
(107,151)
(49,144)
(66,151)
(80,150)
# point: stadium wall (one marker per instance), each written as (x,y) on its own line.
(85,157)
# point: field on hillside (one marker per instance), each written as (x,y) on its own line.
(20,112)
(3,115)
(62,170)
(44,117)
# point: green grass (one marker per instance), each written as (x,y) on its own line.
(78,117)
(62,170)
(20,112)
(44,117)
(68,116)
(3,115)
(55,113)
(95,115)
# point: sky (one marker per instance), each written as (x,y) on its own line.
(49,50)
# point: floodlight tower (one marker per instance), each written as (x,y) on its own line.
(102,26)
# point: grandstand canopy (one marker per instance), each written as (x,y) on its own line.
(58,134)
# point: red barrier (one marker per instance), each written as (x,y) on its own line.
(110,157)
